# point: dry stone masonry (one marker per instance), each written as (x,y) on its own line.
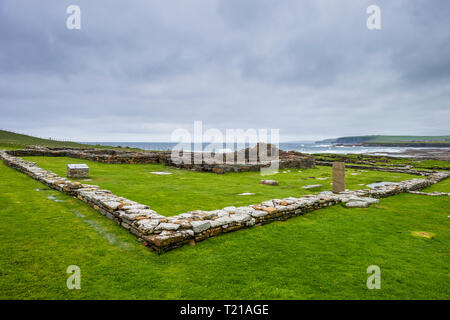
(161,233)
(77,171)
(240,159)
(432,194)
(395,168)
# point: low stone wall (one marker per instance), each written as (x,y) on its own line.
(161,233)
(99,155)
(394,169)
(432,194)
(289,159)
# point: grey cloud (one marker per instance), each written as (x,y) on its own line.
(143,69)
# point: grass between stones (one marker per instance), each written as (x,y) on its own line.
(321,255)
(443,186)
(353,159)
(184,190)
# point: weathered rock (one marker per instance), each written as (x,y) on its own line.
(146,226)
(269,182)
(229,209)
(270,210)
(312,186)
(200,226)
(268,203)
(259,213)
(338,177)
(168,226)
(357,204)
(240,218)
(221,221)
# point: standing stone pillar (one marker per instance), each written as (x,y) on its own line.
(338,177)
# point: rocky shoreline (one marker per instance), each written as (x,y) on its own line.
(400,145)
(424,153)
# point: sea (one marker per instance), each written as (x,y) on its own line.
(304,147)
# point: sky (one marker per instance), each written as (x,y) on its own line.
(138,70)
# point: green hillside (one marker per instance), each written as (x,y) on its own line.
(394,140)
(398,139)
(10,140)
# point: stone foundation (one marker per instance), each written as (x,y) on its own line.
(393,169)
(291,159)
(162,233)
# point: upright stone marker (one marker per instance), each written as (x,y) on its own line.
(338,177)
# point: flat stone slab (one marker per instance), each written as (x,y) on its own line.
(380,184)
(161,173)
(53,198)
(269,182)
(77,166)
(436,193)
(312,186)
(245,194)
(357,204)
(353,198)
(199,226)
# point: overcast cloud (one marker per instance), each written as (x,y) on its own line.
(137,70)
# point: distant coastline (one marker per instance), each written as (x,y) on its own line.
(391,141)
(398,144)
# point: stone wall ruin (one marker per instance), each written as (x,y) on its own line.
(239,161)
(162,233)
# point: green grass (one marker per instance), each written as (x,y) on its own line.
(11,140)
(418,164)
(188,190)
(322,255)
(443,186)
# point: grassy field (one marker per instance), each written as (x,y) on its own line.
(11,140)
(384,160)
(443,186)
(322,255)
(185,190)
